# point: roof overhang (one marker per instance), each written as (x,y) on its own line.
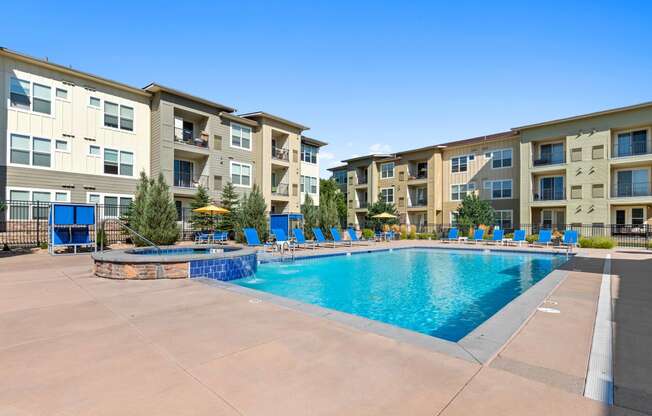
(154,88)
(263,115)
(313,142)
(233,117)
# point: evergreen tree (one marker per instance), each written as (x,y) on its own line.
(159,220)
(473,212)
(329,189)
(136,209)
(252,214)
(328,216)
(198,220)
(310,216)
(229,201)
(379,207)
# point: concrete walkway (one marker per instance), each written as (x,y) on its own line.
(73,344)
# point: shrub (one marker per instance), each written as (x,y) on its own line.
(532,238)
(423,236)
(251,214)
(412,235)
(368,234)
(649,245)
(43,246)
(597,242)
(101,238)
(509,235)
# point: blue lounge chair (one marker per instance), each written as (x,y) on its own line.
(354,237)
(251,236)
(545,238)
(220,237)
(570,239)
(282,238)
(497,237)
(337,238)
(519,237)
(478,235)
(301,239)
(453,235)
(202,238)
(319,237)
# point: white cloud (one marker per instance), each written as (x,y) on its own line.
(380,148)
(326,155)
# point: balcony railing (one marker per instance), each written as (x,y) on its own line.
(630,190)
(363,204)
(635,149)
(419,203)
(187,180)
(280,153)
(549,195)
(420,175)
(282,189)
(554,159)
(186,136)
(362,180)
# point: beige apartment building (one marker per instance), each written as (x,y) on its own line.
(593,169)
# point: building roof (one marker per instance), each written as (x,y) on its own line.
(312,141)
(69,70)
(238,119)
(339,167)
(262,114)
(154,87)
(587,115)
(372,156)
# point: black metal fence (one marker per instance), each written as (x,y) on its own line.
(25,223)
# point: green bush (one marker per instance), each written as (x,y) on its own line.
(597,242)
(101,239)
(412,235)
(368,234)
(532,238)
(404,235)
(43,246)
(649,245)
(423,236)
(509,235)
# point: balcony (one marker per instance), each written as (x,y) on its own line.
(419,203)
(549,160)
(363,205)
(635,149)
(631,190)
(281,153)
(362,180)
(185,136)
(282,189)
(549,195)
(187,180)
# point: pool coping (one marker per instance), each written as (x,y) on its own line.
(479,346)
(124,256)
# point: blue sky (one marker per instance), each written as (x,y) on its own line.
(365,76)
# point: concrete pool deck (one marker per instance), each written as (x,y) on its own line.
(75,344)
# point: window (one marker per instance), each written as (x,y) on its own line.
(638,216)
(112,205)
(387,195)
(597,152)
(30,151)
(500,158)
(458,192)
(460,163)
(183,173)
(310,184)
(597,190)
(551,189)
(61,197)
(41,152)
(455,218)
(42,99)
(635,182)
(22,209)
(118,162)
(94,150)
(62,94)
(499,189)
(631,143)
(126,163)
(61,145)
(111,115)
(19,210)
(94,102)
(576,154)
(309,153)
(240,137)
(576,192)
(503,218)
(19,96)
(118,116)
(241,174)
(111,161)
(549,154)
(387,170)
(126,118)
(20,149)
(340,177)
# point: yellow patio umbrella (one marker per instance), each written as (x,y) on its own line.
(211,209)
(384,215)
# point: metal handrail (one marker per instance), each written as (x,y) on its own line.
(136,233)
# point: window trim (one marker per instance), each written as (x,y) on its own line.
(102,195)
(468,157)
(120,151)
(120,104)
(88,104)
(316,154)
(491,188)
(393,170)
(616,133)
(30,215)
(511,221)
(56,97)
(251,174)
(492,158)
(100,155)
(393,194)
(67,142)
(30,79)
(251,141)
(31,152)
(466,192)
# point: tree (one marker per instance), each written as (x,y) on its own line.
(158,222)
(229,201)
(329,189)
(310,216)
(328,216)
(474,212)
(198,220)
(136,209)
(252,214)
(379,207)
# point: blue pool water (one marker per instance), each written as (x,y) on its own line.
(443,293)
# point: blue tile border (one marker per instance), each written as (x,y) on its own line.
(224,269)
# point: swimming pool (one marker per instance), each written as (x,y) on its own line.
(440,292)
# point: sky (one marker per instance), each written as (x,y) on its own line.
(366,76)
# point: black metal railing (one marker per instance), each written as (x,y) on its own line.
(362,180)
(549,195)
(550,160)
(631,189)
(634,149)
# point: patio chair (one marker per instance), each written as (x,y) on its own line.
(220,237)
(453,235)
(478,235)
(354,237)
(570,239)
(519,237)
(497,237)
(545,238)
(282,238)
(251,236)
(301,239)
(338,239)
(320,239)
(202,238)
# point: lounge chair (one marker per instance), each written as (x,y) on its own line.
(354,237)
(220,237)
(301,239)
(453,235)
(545,238)
(570,239)
(478,235)
(202,238)
(497,237)
(338,239)
(519,237)
(320,239)
(282,238)
(251,236)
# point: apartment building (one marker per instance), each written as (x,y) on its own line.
(593,169)
(68,135)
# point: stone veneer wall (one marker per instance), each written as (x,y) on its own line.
(141,271)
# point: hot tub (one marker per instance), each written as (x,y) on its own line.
(175,262)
